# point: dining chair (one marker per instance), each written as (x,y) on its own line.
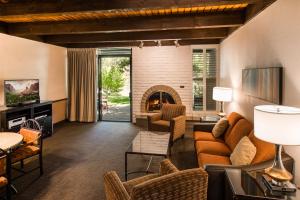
(32,145)
(3,179)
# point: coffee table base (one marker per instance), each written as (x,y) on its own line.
(147,168)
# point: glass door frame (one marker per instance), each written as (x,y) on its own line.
(99,57)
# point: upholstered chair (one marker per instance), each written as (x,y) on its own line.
(171,119)
(169,183)
(3,179)
(32,145)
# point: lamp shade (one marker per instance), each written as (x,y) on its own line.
(222,94)
(277,124)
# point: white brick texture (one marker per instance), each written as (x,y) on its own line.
(169,66)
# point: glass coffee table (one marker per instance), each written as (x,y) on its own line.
(148,143)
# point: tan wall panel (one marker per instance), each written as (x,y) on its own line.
(59,111)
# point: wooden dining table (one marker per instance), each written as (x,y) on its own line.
(8,142)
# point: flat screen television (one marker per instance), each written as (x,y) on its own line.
(263,83)
(19,92)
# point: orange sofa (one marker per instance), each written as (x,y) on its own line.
(213,154)
(211,150)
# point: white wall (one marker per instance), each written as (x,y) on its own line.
(270,39)
(26,59)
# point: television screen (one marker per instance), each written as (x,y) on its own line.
(263,83)
(21,91)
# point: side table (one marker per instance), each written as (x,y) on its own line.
(210,119)
(238,187)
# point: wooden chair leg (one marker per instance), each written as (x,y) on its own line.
(8,192)
(41,164)
(22,164)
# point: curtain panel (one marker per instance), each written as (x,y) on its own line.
(82,85)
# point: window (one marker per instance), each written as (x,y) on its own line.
(204,78)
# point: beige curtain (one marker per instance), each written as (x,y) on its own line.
(82,85)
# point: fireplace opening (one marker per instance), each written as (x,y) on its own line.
(155,101)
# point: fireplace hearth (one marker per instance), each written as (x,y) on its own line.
(156,96)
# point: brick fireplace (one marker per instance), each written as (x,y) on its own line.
(161,69)
(157,95)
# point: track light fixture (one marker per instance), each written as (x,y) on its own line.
(158,43)
(176,43)
(141,45)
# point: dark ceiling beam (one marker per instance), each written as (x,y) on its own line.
(34,37)
(128,24)
(29,7)
(255,9)
(3,28)
(137,43)
(137,36)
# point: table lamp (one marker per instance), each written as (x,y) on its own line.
(279,125)
(222,94)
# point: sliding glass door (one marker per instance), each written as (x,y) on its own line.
(114,86)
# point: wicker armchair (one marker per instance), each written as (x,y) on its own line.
(32,145)
(3,179)
(170,183)
(171,119)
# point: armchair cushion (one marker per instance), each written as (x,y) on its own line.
(24,152)
(207,159)
(215,148)
(154,117)
(3,181)
(162,123)
(30,136)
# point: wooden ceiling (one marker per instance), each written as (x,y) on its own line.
(111,23)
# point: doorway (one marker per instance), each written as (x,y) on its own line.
(114,83)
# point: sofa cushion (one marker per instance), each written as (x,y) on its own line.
(215,148)
(220,127)
(205,136)
(243,153)
(233,118)
(264,150)
(206,159)
(242,128)
(170,111)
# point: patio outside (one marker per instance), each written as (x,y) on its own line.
(115,82)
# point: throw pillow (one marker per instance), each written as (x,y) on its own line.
(243,153)
(220,127)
